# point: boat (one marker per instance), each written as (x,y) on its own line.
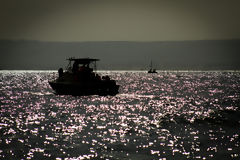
(79,79)
(152,70)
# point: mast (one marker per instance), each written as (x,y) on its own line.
(151,65)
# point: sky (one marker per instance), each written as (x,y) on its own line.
(119,20)
(59,29)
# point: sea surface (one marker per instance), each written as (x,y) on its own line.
(168,115)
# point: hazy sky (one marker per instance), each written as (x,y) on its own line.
(119,20)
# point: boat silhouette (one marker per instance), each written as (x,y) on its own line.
(79,79)
(152,70)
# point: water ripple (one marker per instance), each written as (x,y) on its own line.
(169,115)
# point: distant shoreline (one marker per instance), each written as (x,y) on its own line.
(121,55)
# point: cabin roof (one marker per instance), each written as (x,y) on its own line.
(83,60)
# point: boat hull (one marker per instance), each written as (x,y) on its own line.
(79,89)
(152,72)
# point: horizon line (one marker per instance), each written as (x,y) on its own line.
(125,70)
(134,41)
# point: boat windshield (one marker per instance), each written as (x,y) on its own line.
(76,63)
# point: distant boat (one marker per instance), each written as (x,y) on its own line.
(152,70)
(79,79)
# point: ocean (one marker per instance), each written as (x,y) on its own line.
(168,115)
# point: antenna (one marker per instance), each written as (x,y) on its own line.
(95,66)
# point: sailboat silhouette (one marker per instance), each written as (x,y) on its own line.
(152,70)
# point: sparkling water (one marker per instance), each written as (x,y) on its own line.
(168,115)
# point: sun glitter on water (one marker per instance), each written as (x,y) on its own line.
(169,115)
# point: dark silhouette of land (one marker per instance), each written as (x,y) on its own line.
(121,55)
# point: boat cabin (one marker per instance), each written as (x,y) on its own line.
(81,64)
